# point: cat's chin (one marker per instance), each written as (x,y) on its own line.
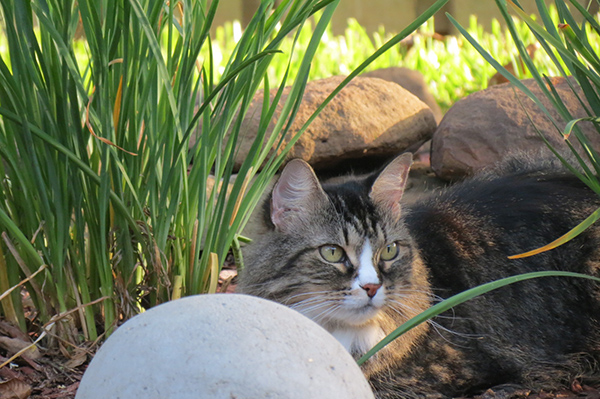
(358,310)
(355,317)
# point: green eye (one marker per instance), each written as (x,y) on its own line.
(332,253)
(390,252)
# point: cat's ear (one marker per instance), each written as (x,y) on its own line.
(295,194)
(389,186)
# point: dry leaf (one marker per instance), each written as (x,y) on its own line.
(9,330)
(14,345)
(14,389)
(77,359)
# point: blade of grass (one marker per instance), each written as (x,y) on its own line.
(463,297)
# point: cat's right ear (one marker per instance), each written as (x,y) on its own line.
(389,187)
(295,194)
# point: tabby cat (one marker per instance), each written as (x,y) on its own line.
(351,259)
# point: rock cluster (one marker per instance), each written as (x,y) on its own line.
(383,113)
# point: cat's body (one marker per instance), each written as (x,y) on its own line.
(349,258)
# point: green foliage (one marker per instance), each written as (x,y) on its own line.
(452,67)
(96,147)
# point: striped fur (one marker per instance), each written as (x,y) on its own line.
(535,334)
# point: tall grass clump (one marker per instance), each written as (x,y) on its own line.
(105,205)
(95,157)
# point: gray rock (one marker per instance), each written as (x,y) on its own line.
(369,117)
(411,80)
(484,127)
(222,346)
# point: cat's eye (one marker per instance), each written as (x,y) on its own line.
(390,252)
(332,253)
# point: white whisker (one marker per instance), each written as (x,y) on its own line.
(326,315)
(312,293)
(436,326)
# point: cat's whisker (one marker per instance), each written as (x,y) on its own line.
(409,303)
(417,310)
(403,306)
(311,293)
(427,296)
(405,300)
(318,308)
(440,316)
(436,326)
(327,314)
(307,308)
(457,333)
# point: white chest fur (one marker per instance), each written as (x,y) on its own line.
(359,339)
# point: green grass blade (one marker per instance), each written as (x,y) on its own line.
(463,297)
(158,58)
(77,161)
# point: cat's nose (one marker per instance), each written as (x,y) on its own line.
(371,289)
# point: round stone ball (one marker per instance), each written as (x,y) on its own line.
(225,346)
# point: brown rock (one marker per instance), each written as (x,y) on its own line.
(369,117)
(484,127)
(411,80)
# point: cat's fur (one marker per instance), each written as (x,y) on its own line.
(536,333)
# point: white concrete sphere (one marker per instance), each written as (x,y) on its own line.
(222,346)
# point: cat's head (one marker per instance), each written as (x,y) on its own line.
(341,254)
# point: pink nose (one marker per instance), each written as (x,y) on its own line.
(371,289)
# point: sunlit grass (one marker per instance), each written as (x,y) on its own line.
(452,68)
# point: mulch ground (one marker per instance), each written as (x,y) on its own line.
(50,378)
(52,375)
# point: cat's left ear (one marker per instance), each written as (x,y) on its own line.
(389,186)
(295,195)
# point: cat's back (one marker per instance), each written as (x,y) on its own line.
(513,193)
(515,207)
(466,234)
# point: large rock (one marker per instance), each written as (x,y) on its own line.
(222,346)
(484,127)
(369,117)
(412,81)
